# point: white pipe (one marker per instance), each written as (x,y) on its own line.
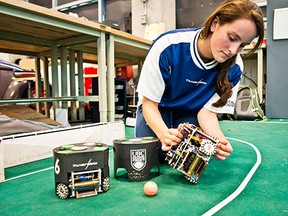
(100,11)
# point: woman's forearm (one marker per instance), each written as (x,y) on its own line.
(153,117)
(209,123)
(167,136)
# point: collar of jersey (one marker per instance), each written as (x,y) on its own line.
(196,57)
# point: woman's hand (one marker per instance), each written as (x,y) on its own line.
(224,149)
(208,122)
(171,137)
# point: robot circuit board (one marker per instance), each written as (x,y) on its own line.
(191,156)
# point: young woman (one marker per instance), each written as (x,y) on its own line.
(190,75)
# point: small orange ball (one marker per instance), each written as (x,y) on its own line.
(150,188)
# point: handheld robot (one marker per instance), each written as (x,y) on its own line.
(193,153)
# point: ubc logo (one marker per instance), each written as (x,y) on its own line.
(138,159)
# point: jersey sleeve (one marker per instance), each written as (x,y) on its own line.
(151,83)
(234,78)
(229,106)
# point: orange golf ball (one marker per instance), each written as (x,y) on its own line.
(150,188)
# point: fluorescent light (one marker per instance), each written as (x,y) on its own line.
(74,4)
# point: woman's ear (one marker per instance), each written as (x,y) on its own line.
(214,24)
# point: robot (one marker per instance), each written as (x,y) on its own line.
(81,170)
(191,156)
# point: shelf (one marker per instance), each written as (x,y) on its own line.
(32,30)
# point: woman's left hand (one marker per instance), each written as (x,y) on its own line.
(224,149)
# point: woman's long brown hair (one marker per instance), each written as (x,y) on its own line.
(227,12)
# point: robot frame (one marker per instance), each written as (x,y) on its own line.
(191,156)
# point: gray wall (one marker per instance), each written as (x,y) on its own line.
(193,13)
(277,68)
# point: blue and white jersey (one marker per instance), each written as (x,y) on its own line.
(174,75)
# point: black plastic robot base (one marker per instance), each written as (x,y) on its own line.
(138,156)
(81,169)
(193,153)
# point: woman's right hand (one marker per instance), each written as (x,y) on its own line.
(169,138)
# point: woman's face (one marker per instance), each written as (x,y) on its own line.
(230,38)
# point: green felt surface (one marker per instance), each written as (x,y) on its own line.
(265,193)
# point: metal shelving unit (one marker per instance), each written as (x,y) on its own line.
(58,38)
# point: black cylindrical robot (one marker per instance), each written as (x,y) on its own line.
(137,155)
(81,169)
